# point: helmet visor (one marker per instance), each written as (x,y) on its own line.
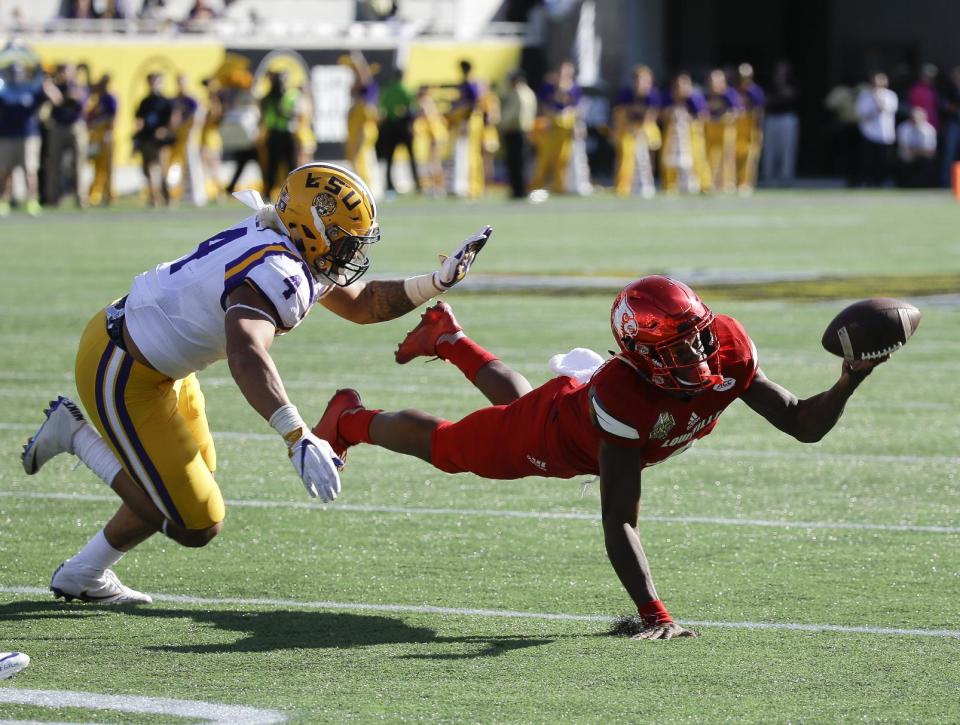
(347,260)
(692,360)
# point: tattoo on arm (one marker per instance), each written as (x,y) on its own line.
(385,300)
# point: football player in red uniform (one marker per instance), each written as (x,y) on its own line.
(678,368)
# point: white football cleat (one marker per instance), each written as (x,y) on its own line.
(11,663)
(77,582)
(55,436)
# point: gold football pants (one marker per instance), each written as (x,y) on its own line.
(156,426)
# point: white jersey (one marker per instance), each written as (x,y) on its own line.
(175,312)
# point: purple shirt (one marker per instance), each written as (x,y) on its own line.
(105,109)
(696,104)
(558,100)
(469,95)
(752,97)
(637,106)
(720,103)
(923,96)
(186,106)
(370,93)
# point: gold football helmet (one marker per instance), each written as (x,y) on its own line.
(331,216)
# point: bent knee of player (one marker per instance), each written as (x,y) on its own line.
(194,538)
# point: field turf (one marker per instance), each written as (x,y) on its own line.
(823,579)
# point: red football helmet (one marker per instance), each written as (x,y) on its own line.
(664,329)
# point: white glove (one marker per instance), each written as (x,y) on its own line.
(452,269)
(317,465)
(455,267)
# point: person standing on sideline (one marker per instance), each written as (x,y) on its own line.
(465,121)
(67,137)
(518,110)
(20,100)
(278,113)
(559,98)
(749,129)
(101,117)
(917,150)
(720,131)
(636,134)
(923,94)
(396,125)
(950,118)
(877,109)
(360,146)
(781,129)
(211,143)
(682,154)
(152,136)
(182,122)
(430,141)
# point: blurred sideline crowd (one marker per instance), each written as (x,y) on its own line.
(725,135)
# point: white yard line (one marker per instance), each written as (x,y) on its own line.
(512,514)
(509,613)
(208,712)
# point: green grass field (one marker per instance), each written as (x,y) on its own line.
(823,579)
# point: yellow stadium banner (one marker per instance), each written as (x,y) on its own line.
(128,64)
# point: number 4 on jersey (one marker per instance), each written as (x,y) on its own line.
(207,246)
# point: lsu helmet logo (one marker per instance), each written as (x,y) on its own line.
(325,203)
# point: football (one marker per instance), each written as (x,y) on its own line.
(871,329)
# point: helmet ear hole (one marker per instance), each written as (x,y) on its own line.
(708,340)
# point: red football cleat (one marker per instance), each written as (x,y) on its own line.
(328,427)
(421,341)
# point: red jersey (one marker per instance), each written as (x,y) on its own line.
(556,429)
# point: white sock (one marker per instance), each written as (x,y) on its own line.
(90,448)
(97,555)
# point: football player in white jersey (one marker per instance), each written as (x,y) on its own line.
(148,437)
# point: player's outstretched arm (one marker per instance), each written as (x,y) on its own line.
(620,506)
(809,419)
(250,325)
(381,300)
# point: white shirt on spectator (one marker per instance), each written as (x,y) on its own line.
(876,108)
(916,139)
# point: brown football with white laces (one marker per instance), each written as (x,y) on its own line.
(871,329)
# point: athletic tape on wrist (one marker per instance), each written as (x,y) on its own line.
(422,288)
(286,420)
(654,613)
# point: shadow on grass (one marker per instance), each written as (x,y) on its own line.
(268,631)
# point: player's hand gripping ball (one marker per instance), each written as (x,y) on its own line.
(871,329)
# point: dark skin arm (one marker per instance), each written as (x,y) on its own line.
(810,419)
(365,302)
(620,507)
